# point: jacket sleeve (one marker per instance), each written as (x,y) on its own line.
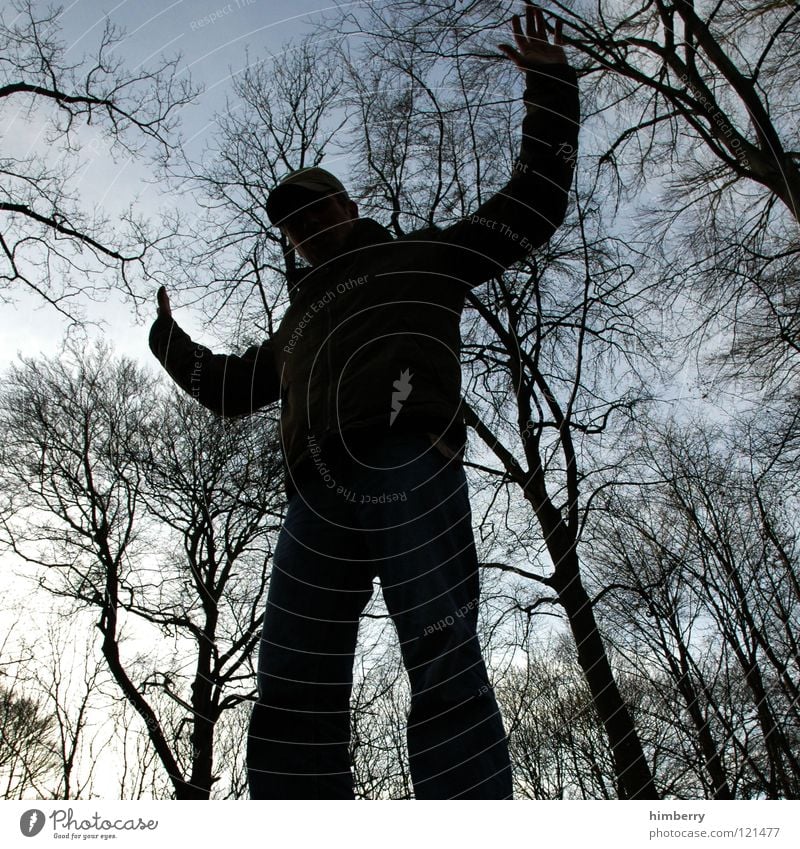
(225,383)
(526,212)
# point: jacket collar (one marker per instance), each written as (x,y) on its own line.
(365,232)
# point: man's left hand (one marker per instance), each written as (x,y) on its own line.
(533,47)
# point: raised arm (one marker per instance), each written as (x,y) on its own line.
(526,212)
(225,383)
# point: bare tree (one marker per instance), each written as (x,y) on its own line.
(29,758)
(559,747)
(68,674)
(705,588)
(720,72)
(379,709)
(699,101)
(99,470)
(50,238)
(141,774)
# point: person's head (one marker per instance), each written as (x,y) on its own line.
(314,212)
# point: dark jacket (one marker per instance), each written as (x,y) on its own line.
(371,340)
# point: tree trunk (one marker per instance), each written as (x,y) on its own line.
(633,772)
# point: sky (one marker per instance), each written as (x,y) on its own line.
(213,37)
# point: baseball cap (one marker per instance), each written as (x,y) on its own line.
(299,188)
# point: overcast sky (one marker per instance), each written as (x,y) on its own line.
(212,37)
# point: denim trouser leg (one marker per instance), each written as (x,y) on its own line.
(300,726)
(405,516)
(424,554)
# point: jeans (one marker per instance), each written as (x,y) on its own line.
(400,513)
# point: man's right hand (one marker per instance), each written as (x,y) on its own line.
(163,303)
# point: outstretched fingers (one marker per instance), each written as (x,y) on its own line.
(534,20)
(533,45)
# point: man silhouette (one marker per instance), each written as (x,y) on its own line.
(366,365)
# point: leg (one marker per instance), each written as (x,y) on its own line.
(300,726)
(425,556)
